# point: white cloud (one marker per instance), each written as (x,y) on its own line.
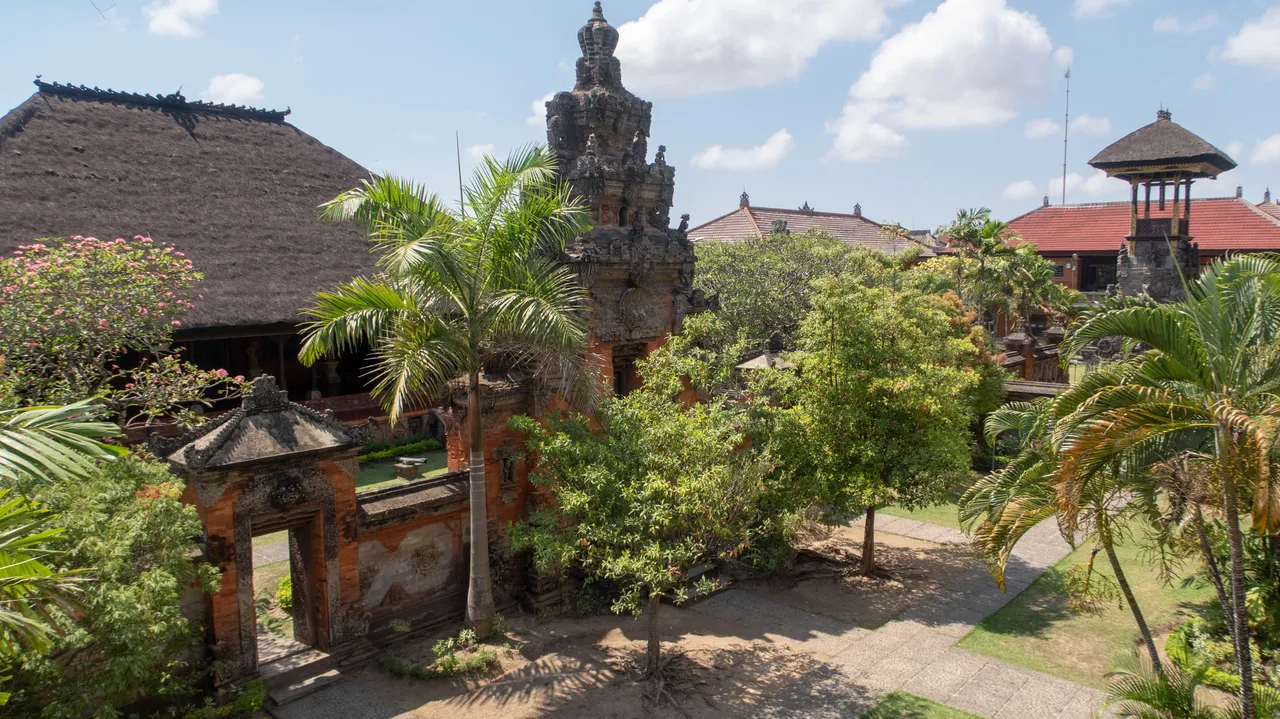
(1267,152)
(680,48)
(1064,56)
(477,152)
(538,110)
(736,159)
(1258,42)
(1021,190)
(233,88)
(1203,82)
(967,63)
(174,17)
(1090,125)
(1096,186)
(1084,9)
(1173,23)
(1041,127)
(1234,148)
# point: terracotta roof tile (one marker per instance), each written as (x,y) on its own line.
(750,222)
(1271,208)
(1217,225)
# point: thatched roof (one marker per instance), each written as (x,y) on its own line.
(1163,142)
(234,188)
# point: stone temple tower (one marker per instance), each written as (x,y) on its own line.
(639,271)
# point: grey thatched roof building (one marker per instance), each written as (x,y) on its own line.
(234,188)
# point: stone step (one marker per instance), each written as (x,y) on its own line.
(294,668)
(281,696)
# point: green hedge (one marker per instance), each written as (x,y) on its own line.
(407,446)
(1181,646)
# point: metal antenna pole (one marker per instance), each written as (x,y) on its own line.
(1066,132)
(462,201)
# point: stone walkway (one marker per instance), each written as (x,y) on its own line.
(914,652)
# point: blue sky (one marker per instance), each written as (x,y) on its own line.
(913,108)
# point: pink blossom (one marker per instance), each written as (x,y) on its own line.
(220,372)
(176,323)
(239,378)
(104,324)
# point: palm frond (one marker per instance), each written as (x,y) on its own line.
(54,443)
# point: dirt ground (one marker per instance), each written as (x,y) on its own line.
(577,668)
(916,571)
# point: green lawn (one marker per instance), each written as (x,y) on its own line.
(900,705)
(383,474)
(1038,630)
(943,515)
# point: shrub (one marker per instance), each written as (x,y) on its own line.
(128,528)
(248,701)
(447,660)
(378,451)
(284,594)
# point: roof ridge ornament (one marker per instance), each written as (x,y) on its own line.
(1163,114)
(174,101)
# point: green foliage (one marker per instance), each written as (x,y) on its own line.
(31,586)
(400,626)
(1140,692)
(456,287)
(71,310)
(453,655)
(765,285)
(1193,646)
(651,491)
(47,444)
(403,447)
(247,701)
(127,528)
(284,594)
(892,381)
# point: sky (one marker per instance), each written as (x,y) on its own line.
(912,108)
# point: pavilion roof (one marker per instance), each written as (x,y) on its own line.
(234,188)
(1163,142)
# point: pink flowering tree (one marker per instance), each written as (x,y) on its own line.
(83,317)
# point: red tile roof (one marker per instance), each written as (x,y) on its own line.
(751,222)
(1218,224)
(1270,208)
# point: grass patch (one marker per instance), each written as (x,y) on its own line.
(266,583)
(900,705)
(1039,631)
(943,515)
(376,475)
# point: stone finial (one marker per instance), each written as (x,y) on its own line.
(598,39)
(1163,114)
(806,207)
(660,158)
(1266,196)
(265,395)
(857,209)
(1046,201)
(1239,191)
(744,200)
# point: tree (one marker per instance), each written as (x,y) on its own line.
(764,285)
(893,380)
(982,246)
(459,291)
(126,530)
(1205,381)
(1000,508)
(87,318)
(655,489)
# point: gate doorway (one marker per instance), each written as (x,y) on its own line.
(284,596)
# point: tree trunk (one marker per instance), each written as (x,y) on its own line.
(654,652)
(1244,661)
(479,584)
(1211,562)
(869,542)
(1123,581)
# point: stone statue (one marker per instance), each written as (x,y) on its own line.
(639,149)
(660,159)
(593,145)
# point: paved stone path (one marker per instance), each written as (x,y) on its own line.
(914,652)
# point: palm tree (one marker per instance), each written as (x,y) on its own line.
(1001,508)
(1140,693)
(1207,382)
(458,291)
(53,443)
(39,444)
(976,236)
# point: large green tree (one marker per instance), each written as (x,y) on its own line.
(893,380)
(1207,379)
(458,290)
(650,490)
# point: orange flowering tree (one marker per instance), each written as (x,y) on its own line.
(83,317)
